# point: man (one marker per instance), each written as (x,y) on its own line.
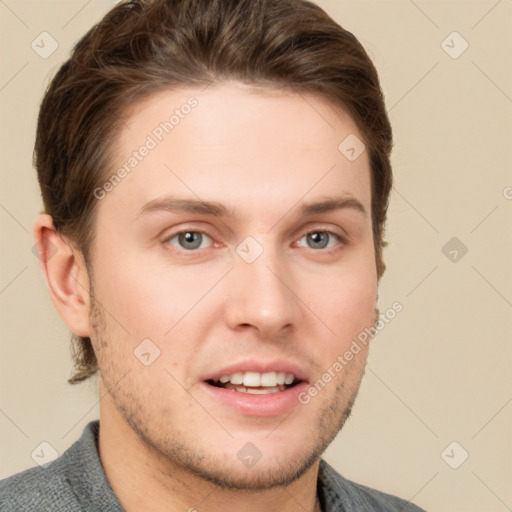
(215,178)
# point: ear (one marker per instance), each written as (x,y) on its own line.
(65,274)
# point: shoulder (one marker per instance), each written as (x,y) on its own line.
(75,481)
(39,488)
(339,493)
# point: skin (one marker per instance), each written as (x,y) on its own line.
(163,443)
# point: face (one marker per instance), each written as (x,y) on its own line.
(210,261)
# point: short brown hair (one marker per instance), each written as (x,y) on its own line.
(143,46)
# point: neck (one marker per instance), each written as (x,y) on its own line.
(143,479)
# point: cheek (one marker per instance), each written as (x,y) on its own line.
(345,300)
(352,309)
(357,294)
(129,291)
(147,298)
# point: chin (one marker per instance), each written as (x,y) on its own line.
(258,477)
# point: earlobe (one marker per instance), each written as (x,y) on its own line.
(65,274)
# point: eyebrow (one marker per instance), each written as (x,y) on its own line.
(216,209)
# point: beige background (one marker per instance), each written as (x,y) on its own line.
(440,371)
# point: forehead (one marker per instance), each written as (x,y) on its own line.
(234,143)
(241,113)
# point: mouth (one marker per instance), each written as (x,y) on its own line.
(256,383)
(261,393)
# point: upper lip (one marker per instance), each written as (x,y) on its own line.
(260,366)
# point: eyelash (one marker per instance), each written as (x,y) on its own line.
(341,240)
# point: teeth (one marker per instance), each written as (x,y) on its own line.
(256,391)
(288,379)
(236,378)
(260,391)
(269,379)
(255,379)
(252,379)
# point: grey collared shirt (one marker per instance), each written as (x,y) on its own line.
(76,482)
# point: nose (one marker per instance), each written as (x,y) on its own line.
(261,296)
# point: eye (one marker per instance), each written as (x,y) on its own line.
(188,240)
(320,239)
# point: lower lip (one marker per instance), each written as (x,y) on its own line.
(272,404)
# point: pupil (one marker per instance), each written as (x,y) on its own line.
(319,238)
(190,240)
